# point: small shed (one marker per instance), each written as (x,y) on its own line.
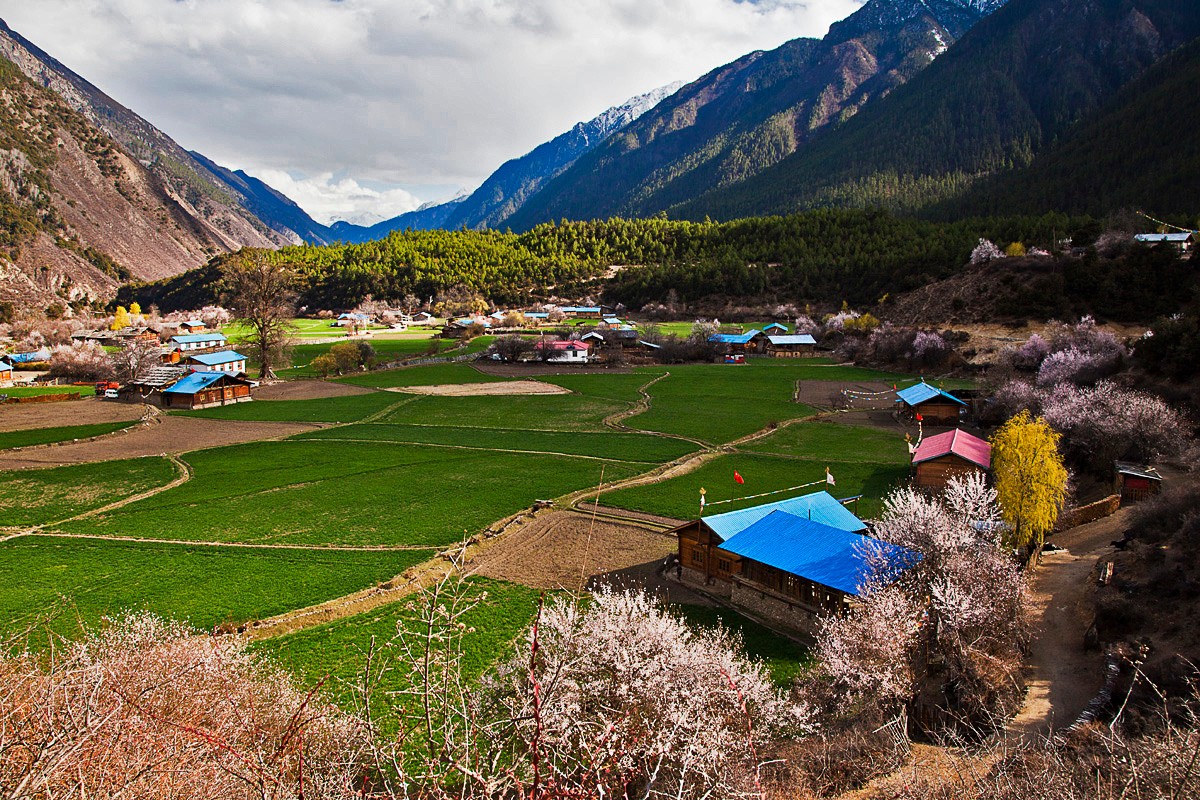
(228,361)
(792,345)
(422,317)
(6,370)
(935,406)
(191,326)
(205,390)
(939,458)
(1136,482)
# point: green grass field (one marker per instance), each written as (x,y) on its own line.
(543,412)
(718,403)
(350,408)
(38,496)
(680,496)
(32,436)
(84,580)
(354,493)
(425,375)
(337,650)
(32,391)
(616,446)
(395,346)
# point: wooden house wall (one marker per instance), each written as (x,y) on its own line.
(938,411)
(792,350)
(815,597)
(698,550)
(937,472)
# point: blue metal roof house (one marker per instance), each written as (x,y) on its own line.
(790,561)
(205,390)
(935,406)
(226,361)
(750,341)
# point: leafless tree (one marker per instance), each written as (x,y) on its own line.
(135,358)
(262,293)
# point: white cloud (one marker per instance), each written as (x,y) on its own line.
(412,92)
(327,199)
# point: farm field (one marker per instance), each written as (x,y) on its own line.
(349,493)
(863,461)
(613,446)
(32,436)
(394,477)
(205,586)
(87,390)
(349,408)
(338,649)
(38,496)
(387,347)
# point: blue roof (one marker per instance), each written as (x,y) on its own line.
(920,392)
(27,358)
(194,382)
(775,326)
(212,359)
(734,338)
(198,337)
(581,310)
(819,553)
(820,507)
(792,338)
(537,314)
(5,364)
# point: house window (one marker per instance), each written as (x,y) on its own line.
(697,556)
(724,565)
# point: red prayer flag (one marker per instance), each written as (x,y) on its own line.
(920,418)
(738,477)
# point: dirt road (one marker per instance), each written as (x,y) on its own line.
(1062,676)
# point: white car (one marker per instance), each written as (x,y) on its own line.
(111,394)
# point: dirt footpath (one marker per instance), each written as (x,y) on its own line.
(307,390)
(163,435)
(88,411)
(565,550)
(1062,676)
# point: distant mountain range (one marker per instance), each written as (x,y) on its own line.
(742,118)
(506,189)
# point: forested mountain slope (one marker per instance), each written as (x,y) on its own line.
(1012,86)
(740,119)
(1141,151)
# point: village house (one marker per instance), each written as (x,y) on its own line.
(205,390)
(791,345)
(935,406)
(6,371)
(537,317)
(790,561)
(939,458)
(422,318)
(1136,482)
(1180,241)
(749,342)
(566,352)
(352,319)
(229,362)
(189,343)
(148,387)
(626,337)
(776,329)
(583,312)
(191,326)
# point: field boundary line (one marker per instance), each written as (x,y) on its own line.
(370,548)
(185,475)
(616,421)
(475,447)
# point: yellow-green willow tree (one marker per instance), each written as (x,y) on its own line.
(1031,479)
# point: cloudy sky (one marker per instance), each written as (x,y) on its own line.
(371,107)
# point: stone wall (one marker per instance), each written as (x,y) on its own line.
(772,608)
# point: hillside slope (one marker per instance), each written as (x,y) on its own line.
(740,119)
(78,215)
(217,208)
(1142,150)
(1014,84)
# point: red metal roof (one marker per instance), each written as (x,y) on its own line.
(958,442)
(563,345)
